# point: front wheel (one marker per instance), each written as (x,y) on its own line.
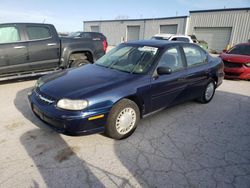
(122,120)
(207,93)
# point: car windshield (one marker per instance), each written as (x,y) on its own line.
(131,59)
(240,49)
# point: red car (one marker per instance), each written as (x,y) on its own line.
(237,61)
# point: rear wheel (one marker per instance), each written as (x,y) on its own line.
(208,92)
(123,119)
(77,60)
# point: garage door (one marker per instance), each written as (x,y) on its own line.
(133,33)
(95,28)
(171,29)
(216,37)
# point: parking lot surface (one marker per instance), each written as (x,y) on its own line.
(189,145)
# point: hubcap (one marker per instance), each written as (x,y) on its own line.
(125,121)
(209,91)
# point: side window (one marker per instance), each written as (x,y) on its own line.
(9,34)
(38,32)
(87,35)
(96,36)
(194,56)
(172,59)
(183,39)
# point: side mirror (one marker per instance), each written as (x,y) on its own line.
(224,51)
(164,70)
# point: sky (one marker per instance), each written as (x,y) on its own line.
(68,16)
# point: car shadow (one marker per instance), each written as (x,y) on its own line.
(191,145)
(57,162)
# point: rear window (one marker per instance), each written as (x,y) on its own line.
(159,38)
(241,50)
(183,39)
(9,34)
(38,32)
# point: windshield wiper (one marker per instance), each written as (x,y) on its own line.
(118,60)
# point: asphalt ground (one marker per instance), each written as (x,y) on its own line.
(188,145)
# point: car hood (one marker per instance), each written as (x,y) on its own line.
(235,58)
(82,82)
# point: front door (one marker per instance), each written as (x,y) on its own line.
(197,70)
(13,50)
(169,89)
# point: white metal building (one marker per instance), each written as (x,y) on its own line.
(219,28)
(118,31)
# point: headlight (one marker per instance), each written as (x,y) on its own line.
(68,104)
(247,64)
(39,83)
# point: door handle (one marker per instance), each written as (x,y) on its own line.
(19,47)
(51,44)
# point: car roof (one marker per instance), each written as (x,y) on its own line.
(166,35)
(154,43)
(246,43)
(88,32)
(24,23)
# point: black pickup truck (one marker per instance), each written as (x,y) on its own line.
(32,49)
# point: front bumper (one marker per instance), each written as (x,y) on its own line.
(237,73)
(69,122)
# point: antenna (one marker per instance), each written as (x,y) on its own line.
(44,20)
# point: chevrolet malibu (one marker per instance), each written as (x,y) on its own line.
(132,81)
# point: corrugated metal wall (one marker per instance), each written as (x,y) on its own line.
(116,30)
(239,20)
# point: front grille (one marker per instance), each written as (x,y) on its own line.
(43,98)
(232,65)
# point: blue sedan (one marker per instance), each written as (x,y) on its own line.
(130,82)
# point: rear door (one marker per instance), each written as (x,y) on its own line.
(170,88)
(197,70)
(13,49)
(44,46)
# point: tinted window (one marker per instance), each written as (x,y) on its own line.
(241,50)
(97,36)
(87,35)
(38,32)
(9,34)
(194,55)
(159,38)
(183,39)
(172,59)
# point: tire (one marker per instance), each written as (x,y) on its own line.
(79,62)
(122,113)
(207,93)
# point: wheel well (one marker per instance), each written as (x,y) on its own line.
(138,102)
(215,78)
(81,54)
